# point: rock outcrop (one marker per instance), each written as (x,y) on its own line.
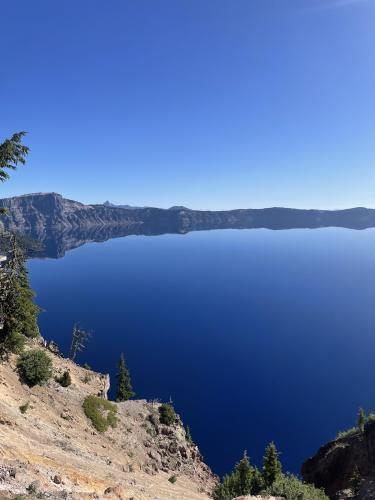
(334,464)
(53,451)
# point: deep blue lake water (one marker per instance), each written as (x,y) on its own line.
(256,335)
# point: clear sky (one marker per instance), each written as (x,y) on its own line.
(205,103)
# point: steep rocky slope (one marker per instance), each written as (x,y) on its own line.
(53,449)
(334,464)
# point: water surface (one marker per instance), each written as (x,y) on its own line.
(256,335)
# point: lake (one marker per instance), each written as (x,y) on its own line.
(255,335)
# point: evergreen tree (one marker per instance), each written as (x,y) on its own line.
(257,482)
(17,309)
(124,387)
(244,475)
(361,419)
(12,152)
(189,438)
(271,464)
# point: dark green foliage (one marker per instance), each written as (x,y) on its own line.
(28,245)
(257,482)
(172,479)
(13,342)
(361,419)
(244,480)
(188,436)
(86,366)
(355,481)
(12,152)
(65,379)
(244,473)
(291,488)
(18,312)
(17,309)
(271,464)
(124,386)
(101,412)
(34,367)
(167,414)
(24,407)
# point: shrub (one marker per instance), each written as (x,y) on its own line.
(65,380)
(34,367)
(167,414)
(14,342)
(24,408)
(101,412)
(172,479)
(86,379)
(86,366)
(291,488)
(348,433)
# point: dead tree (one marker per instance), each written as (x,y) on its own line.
(79,339)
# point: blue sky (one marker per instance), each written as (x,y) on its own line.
(206,103)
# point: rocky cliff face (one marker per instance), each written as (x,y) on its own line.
(333,465)
(43,210)
(53,451)
(51,210)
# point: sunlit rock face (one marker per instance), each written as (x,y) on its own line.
(41,214)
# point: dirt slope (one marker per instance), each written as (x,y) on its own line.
(54,450)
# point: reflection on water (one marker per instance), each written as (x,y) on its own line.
(56,241)
(256,335)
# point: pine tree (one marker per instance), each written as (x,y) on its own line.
(271,464)
(189,438)
(124,387)
(361,419)
(17,309)
(12,153)
(244,475)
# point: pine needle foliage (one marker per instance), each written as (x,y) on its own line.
(12,153)
(246,479)
(124,386)
(271,464)
(17,308)
(167,414)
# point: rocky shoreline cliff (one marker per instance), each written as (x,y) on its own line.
(53,451)
(50,210)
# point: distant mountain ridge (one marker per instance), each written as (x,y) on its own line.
(40,211)
(129,207)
